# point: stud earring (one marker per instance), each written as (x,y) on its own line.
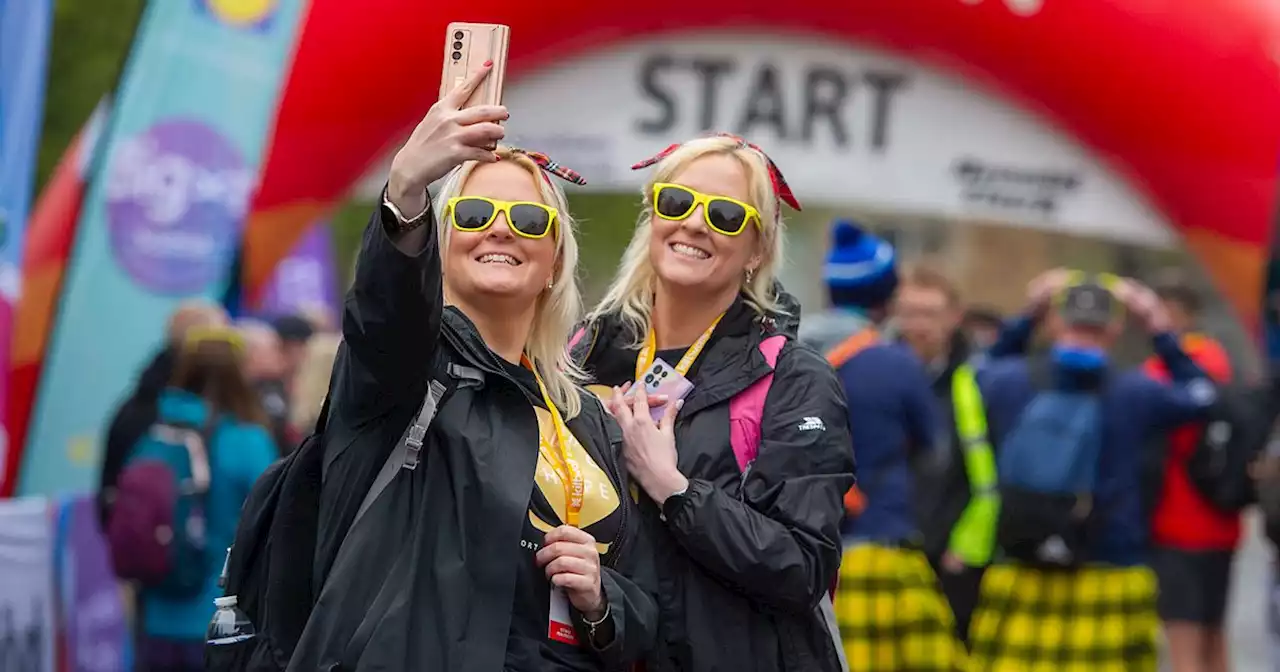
(551,284)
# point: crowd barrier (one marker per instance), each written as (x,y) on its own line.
(61,608)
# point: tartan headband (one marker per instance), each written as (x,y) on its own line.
(781,189)
(551,166)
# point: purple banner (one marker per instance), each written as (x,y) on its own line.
(94,624)
(306,280)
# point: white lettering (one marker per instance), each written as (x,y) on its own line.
(167,185)
(189,245)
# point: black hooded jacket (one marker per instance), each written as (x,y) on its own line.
(745,559)
(439,574)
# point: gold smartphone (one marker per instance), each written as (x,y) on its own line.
(466,47)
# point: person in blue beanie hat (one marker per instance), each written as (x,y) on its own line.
(861,275)
(861,269)
(892,418)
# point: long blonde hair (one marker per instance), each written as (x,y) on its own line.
(631,293)
(558,308)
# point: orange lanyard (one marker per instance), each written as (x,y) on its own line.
(565,466)
(645,358)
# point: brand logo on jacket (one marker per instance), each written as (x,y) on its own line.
(812,424)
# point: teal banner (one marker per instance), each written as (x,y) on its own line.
(162,217)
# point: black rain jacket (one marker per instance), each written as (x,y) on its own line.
(425,579)
(744,560)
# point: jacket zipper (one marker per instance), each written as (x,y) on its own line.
(742,481)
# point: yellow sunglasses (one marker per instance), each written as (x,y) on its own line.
(197,335)
(725,215)
(524,218)
(1108,281)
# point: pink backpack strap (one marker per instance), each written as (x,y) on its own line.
(746,409)
(577,337)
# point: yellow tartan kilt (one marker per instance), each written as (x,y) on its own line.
(1095,619)
(891,614)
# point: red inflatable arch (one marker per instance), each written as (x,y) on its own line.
(1183,100)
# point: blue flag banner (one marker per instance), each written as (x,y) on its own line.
(162,216)
(24,58)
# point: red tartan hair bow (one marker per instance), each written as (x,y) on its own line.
(551,166)
(780,187)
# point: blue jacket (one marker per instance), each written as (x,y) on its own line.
(239,453)
(891,417)
(1136,409)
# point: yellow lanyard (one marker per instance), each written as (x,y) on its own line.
(565,466)
(645,358)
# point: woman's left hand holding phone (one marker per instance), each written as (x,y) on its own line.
(445,138)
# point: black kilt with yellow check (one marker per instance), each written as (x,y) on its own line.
(892,615)
(1093,619)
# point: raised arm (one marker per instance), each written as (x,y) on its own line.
(391,316)
(1192,392)
(1017,332)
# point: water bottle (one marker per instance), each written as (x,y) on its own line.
(230,625)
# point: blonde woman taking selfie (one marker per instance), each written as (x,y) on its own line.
(505,543)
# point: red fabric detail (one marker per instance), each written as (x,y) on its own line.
(781,189)
(1183,519)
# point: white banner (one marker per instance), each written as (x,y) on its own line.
(27,628)
(845,125)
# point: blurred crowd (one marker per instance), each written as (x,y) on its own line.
(1023,499)
(284,365)
(275,375)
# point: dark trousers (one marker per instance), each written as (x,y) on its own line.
(961,590)
(170,655)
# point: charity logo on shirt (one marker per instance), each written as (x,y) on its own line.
(600,499)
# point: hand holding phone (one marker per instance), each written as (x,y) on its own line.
(469,45)
(662,379)
(445,138)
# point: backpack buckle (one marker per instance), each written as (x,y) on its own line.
(413,446)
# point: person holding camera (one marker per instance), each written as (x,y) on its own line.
(1072,434)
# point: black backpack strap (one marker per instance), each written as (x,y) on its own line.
(407,455)
(408,452)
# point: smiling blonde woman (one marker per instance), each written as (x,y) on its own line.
(505,544)
(746,547)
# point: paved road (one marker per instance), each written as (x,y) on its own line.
(1250,645)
